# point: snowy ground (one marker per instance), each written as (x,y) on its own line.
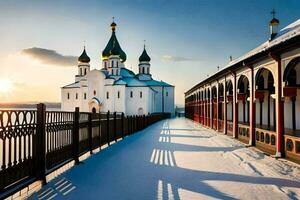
(177,159)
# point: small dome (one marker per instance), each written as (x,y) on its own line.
(84,57)
(144,57)
(274,21)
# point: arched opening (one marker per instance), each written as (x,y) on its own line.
(229,104)
(140,111)
(214,107)
(243,93)
(94,105)
(220,107)
(265,100)
(291,78)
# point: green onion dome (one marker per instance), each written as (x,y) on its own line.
(144,57)
(113,46)
(84,57)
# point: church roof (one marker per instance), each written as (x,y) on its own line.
(113,46)
(288,33)
(144,56)
(84,57)
(72,85)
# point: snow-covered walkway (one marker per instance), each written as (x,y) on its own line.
(178,159)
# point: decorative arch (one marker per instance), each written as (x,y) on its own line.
(243,85)
(264,80)
(214,92)
(290,75)
(95,105)
(221,89)
(229,87)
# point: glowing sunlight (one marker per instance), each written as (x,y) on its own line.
(5,85)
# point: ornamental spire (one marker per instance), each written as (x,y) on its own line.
(113,24)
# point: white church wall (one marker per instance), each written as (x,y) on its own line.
(69,104)
(134,103)
(169,100)
(119,101)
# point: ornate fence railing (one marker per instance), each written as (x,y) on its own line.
(34,143)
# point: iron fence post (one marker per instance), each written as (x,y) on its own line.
(115,126)
(100,130)
(122,125)
(90,132)
(107,127)
(76,136)
(40,143)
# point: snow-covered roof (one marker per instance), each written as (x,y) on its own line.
(134,82)
(127,73)
(72,85)
(120,82)
(283,35)
(157,83)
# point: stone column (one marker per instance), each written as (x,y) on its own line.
(235,107)
(225,107)
(252,108)
(279,109)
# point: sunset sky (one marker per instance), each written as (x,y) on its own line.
(187,40)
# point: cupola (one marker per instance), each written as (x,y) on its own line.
(113,46)
(144,57)
(84,58)
(273,24)
(144,65)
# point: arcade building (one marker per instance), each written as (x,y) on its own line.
(255,97)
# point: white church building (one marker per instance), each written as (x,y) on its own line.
(115,88)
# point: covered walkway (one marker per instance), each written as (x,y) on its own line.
(177,159)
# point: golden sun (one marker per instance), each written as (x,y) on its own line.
(5,85)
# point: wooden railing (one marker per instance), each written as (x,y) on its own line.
(244,133)
(265,140)
(33,143)
(221,125)
(229,128)
(292,144)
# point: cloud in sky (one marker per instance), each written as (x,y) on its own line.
(176,58)
(51,57)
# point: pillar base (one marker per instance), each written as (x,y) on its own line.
(278,155)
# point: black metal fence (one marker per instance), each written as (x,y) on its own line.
(33,143)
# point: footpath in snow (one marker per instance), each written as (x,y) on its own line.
(177,159)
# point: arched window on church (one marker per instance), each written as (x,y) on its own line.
(148,70)
(117,64)
(105,65)
(85,71)
(107,95)
(68,95)
(141,94)
(76,96)
(112,63)
(94,92)
(131,94)
(84,96)
(118,94)
(143,70)
(80,72)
